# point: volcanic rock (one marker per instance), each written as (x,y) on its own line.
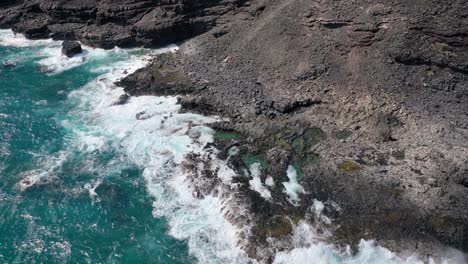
(71,48)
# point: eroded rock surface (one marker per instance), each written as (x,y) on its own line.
(110,23)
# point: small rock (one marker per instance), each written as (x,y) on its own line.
(123,99)
(9,64)
(71,48)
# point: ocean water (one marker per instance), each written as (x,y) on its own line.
(82,180)
(51,158)
(85,181)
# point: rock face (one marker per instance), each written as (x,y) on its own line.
(71,48)
(367,99)
(110,23)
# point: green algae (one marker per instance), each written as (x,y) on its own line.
(442,48)
(314,135)
(298,145)
(250,159)
(438,223)
(221,134)
(393,192)
(364,159)
(348,166)
(298,140)
(343,134)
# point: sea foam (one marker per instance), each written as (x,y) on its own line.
(292,187)
(157,141)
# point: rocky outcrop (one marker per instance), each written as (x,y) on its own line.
(158,81)
(115,23)
(71,48)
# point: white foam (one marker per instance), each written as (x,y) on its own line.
(54,62)
(233,151)
(57,63)
(269,181)
(317,209)
(256,183)
(49,165)
(311,248)
(41,102)
(158,143)
(8,38)
(224,172)
(92,190)
(292,188)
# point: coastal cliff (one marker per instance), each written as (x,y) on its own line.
(367,101)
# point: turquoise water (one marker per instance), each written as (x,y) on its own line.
(56,220)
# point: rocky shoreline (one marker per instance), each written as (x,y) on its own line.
(367,101)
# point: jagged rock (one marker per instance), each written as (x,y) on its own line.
(157,82)
(278,161)
(107,23)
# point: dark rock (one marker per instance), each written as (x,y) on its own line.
(291,106)
(107,24)
(71,48)
(278,161)
(123,99)
(156,82)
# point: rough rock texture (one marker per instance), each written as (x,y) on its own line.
(110,23)
(367,99)
(71,48)
(370,100)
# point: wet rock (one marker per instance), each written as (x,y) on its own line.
(71,48)
(278,161)
(291,106)
(123,99)
(156,81)
(275,227)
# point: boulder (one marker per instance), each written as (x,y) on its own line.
(71,48)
